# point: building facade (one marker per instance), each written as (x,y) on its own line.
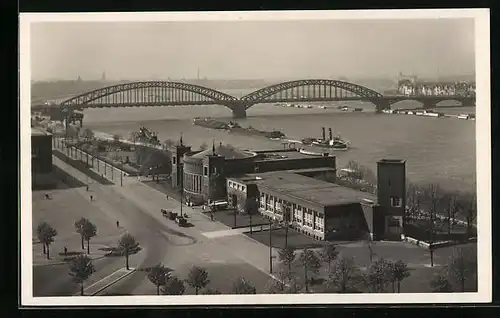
(41,158)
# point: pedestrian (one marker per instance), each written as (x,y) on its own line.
(91,198)
(117,224)
(212,216)
(87,188)
(167,196)
(47,196)
(65,251)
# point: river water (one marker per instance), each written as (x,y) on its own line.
(440,150)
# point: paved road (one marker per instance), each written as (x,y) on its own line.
(153,238)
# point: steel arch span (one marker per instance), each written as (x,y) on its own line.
(164,92)
(322,91)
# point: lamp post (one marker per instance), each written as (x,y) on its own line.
(181,166)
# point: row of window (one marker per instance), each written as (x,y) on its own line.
(193,182)
(299,215)
(237,186)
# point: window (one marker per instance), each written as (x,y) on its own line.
(243,188)
(318,222)
(297,214)
(396,202)
(205,171)
(308,218)
(174,160)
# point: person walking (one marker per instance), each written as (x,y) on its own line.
(117,224)
(87,188)
(91,198)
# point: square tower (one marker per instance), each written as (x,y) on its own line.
(391,185)
(214,178)
(178,152)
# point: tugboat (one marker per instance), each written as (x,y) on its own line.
(334,143)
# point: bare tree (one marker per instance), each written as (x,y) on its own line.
(158,275)
(311,263)
(414,196)
(81,268)
(243,286)
(328,254)
(433,195)
(344,276)
(468,207)
(451,206)
(440,284)
(398,272)
(197,278)
(279,284)
(378,276)
(462,268)
(287,256)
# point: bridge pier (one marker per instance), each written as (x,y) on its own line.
(427,104)
(239,112)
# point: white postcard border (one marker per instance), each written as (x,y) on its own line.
(483,159)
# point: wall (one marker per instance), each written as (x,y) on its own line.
(288,164)
(41,147)
(345,222)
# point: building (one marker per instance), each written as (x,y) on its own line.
(296,187)
(325,210)
(41,158)
(203,174)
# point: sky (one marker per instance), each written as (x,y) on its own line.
(252,50)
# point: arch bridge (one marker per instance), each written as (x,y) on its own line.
(163,93)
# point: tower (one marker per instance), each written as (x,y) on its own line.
(213,175)
(391,193)
(178,152)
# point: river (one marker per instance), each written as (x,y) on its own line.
(437,150)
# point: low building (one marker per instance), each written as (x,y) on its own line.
(41,158)
(203,174)
(325,210)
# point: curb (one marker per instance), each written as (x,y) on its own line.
(66,262)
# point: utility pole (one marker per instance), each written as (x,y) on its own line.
(182,184)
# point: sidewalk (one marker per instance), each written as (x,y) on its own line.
(106,282)
(57,254)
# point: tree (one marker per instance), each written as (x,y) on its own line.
(251,208)
(40,232)
(88,134)
(47,236)
(440,284)
(286,219)
(468,206)
(399,271)
(128,245)
(116,138)
(287,256)
(242,286)
(211,291)
(197,278)
(81,268)
(433,195)
(159,275)
(462,267)
(329,253)
(378,276)
(311,263)
(174,286)
(451,207)
(414,196)
(343,276)
(79,226)
(278,285)
(89,230)
(203,146)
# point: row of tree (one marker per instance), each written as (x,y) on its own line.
(197,278)
(81,267)
(428,202)
(382,275)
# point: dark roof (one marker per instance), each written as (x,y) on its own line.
(313,190)
(225,151)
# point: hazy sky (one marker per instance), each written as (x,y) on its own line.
(256,50)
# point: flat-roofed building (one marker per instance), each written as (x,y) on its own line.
(325,210)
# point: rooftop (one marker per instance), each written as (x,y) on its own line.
(310,189)
(35,131)
(280,154)
(226,151)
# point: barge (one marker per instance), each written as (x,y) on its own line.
(235,127)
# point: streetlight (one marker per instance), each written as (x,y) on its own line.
(181,166)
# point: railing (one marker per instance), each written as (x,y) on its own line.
(100,166)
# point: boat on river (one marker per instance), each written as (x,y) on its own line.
(333,143)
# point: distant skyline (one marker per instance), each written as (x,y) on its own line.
(268,50)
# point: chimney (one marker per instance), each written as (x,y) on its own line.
(330,133)
(323,133)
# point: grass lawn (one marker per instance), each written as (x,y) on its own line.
(295,239)
(242,220)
